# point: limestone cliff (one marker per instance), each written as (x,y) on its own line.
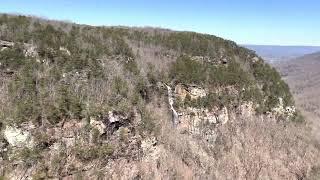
(90,102)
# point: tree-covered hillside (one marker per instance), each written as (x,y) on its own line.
(88,98)
(69,48)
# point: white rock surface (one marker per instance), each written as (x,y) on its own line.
(65,50)
(194,92)
(290,110)
(6,44)
(113,118)
(30,50)
(197,92)
(17,137)
(255,59)
(98,125)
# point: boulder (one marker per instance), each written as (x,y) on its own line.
(31,51)
(290,110)
(255,59)
(224,61)
(98,125)
(65,50)
(115,120)
(17,137)
(6,44)
(112,117)
(196,92)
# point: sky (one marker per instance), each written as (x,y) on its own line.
(263,22)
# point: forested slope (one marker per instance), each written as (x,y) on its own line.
(94,102)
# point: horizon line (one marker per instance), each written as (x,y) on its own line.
(41,17)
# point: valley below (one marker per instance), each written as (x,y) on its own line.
(303,76)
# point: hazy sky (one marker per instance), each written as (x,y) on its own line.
(277,22)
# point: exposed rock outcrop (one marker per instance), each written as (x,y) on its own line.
(31,51)
(115,120)
(221,60)
(193,91)
(65,50)
(99,125)
(281,109)
(6,44)
(175,117)
(17,137)
(94,106)
(198,121)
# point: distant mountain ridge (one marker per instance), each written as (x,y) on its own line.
(303,76)
(314,56)
(274,53)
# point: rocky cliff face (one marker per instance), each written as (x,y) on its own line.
(121,103)
(200,121)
